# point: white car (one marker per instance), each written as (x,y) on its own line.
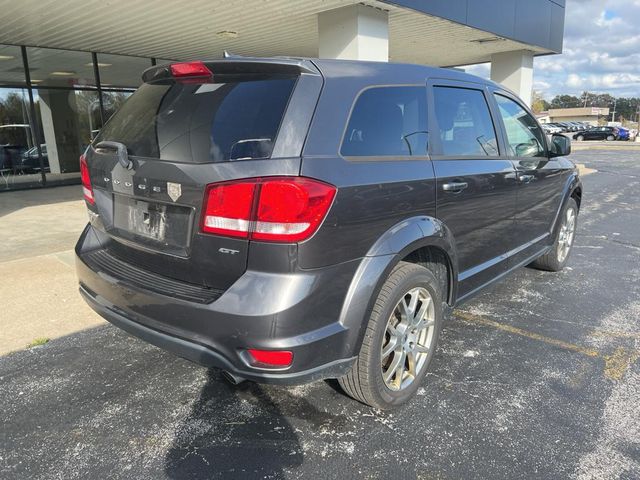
(551,129)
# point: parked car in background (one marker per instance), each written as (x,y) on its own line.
(597,133)
(14,141)
(550,129)
(623,133)
(288,220)
(30,163)
(10,158)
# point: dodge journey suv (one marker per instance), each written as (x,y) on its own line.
(289,220)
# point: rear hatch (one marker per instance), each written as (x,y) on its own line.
(151,163)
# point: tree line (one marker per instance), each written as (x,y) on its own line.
(626,108)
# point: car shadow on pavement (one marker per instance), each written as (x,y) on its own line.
(235,432)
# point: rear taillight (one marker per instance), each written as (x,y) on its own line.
(274,209)
(87,190)
(228,208)
(190,69)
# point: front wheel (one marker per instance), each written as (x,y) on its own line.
(610,138)
(556,258)
(400,339)
(580,138)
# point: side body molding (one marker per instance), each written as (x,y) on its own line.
(394,245)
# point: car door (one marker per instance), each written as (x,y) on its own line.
(540,178)
(592,134)
(599,133)
(476,185)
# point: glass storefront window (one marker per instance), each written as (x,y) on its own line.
(11,66)
(60,68)
(69,119)
(19,161)
(120,71)
(41,143)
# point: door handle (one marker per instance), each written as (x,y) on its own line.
(525,178)
(454,187)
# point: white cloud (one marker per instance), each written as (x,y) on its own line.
(574,81)
(601,51)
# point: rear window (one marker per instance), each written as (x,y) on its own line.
(231,118)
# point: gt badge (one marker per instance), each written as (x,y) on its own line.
(174,190)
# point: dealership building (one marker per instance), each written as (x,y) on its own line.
(65,67)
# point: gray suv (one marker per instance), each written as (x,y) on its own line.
(289,220)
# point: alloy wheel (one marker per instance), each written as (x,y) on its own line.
(408,338)
(567,232)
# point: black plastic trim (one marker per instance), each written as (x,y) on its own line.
(102,261)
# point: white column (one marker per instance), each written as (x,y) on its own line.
(514,70)
(46,117)
(355,32)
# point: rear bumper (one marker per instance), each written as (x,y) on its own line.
(297,311)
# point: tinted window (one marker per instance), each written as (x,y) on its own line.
(525,137)
(229,119)
(387,121)
(464,122)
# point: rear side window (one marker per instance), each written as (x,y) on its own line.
(525,137)
(387,121)
(464,122)
(232,118)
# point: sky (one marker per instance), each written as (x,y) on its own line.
(601,52)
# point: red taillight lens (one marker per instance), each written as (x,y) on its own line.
(87,190)
(271,358)
(228,208)
(190,69)
(290,210)
(287,209)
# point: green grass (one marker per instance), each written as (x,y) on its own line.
(38,342)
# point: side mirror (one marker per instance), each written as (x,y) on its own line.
(560,145)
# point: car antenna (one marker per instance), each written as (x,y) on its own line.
(227,54)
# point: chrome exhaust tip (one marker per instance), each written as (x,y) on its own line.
(231,378)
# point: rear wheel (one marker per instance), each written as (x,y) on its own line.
(400,339)
(556,258)
(580,138)
(610,138)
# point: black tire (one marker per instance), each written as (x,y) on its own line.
(610,138)
(365,382)
(551,260)
(580,138)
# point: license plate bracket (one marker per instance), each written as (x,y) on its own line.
(152,222)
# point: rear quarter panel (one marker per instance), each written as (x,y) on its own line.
(374,193)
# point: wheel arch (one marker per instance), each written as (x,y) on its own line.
(421,240)
(572,189)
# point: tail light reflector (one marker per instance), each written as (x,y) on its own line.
(271,358)
(274,209)
(87,189)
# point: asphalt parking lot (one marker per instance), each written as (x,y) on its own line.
(536,378)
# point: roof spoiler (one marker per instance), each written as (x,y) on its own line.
(235,64)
